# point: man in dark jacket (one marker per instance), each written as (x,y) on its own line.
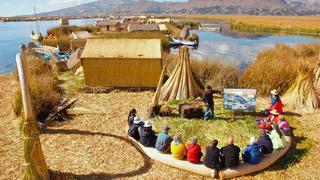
(230,154)
(131,116)
(212,158)
(135,129)
(148,137)
(265,143)
(208,100)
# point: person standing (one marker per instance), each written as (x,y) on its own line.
(208,100)
(276,103)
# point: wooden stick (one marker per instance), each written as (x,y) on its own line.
(34,166)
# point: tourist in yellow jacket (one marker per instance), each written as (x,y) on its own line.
(178,149)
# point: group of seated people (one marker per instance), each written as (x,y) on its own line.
(215,158)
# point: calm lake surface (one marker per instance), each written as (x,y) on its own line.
(227,46)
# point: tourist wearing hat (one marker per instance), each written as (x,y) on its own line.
(274,116)
(164,140)
(251,154)
(135,129)
(276,103)
(178,148)
(148,137)
(265,143)
(194,153)
(284,126)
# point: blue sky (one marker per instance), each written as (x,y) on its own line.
(23,7)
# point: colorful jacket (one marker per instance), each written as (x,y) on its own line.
(252,154)
(273,119)
(276,103)
(178,150)
(194,153)
(285,128)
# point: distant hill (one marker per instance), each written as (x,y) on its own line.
(251,7)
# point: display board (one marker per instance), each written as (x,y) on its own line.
(240,99)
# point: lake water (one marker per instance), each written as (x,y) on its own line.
(227,46)
(13,34)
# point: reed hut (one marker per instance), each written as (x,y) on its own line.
(129,63)
(79,39)
(142,27)
(64,22)
(109,26)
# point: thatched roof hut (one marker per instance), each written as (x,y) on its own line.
(109,26)
(80,35)
(122,62)
(142,27)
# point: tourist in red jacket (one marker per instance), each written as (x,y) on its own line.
(194,151)
(274,116)
(276,103)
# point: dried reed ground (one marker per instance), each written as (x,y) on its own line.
(92,145)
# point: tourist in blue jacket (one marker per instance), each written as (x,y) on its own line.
(251,153)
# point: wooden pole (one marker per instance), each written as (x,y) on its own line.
(34,166)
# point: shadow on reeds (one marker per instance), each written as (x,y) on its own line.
(292,114)
(58,175)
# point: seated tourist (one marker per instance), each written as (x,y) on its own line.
(163,141)
(277,142)
(274,116)
(135,129)
(276,103)
(212,158)
(265,143)
(178,149)
(148,137)
(284,126)
(230,154)
(251,154)
(131,116)
(194,151)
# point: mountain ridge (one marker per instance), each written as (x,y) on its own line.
(229,7)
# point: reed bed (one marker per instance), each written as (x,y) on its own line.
(277,68)
(273,24)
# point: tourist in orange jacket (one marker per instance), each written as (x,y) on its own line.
(194,151)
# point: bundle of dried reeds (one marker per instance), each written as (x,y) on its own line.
(302,94)
(34,166)
(181,84)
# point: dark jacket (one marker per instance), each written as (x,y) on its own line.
(230,156)
(212,158)
(133,131)
(130,120)
(208,97)
(265,144)
(148,137)
(252,154)
(163,142)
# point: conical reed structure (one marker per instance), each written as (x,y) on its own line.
(181,84)
(302,95)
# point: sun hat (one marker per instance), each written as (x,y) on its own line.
(148,124)
(274,112)
(274,92)
(136,120)
(166,128)
(252,140)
